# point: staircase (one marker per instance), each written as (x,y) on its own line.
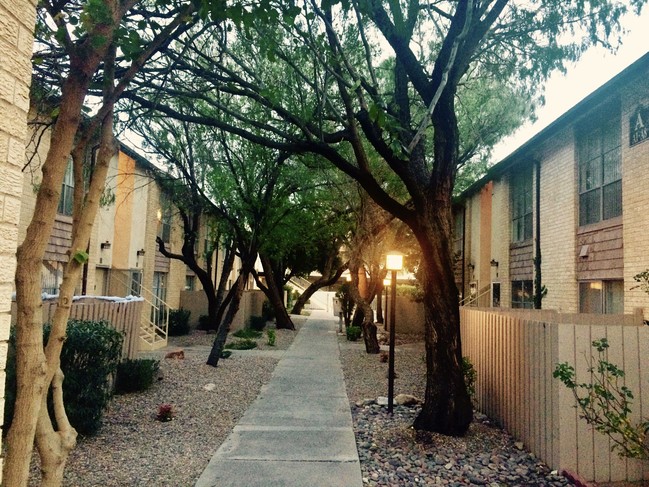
(481,298)
(319,300)
(154,323)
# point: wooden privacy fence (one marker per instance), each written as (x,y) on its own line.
(123,315)
(515,354)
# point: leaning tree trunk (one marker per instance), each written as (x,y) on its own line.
(315,286)
(447,407)
(275,295)
(364,308)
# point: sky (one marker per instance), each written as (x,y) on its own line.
(594,69)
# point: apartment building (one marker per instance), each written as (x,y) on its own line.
(123,254)
(565,217)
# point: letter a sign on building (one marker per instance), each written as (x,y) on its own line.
(638,128)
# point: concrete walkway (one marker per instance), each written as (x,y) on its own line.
(298,432)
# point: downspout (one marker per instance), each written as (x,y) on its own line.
(538,290)
(463,251)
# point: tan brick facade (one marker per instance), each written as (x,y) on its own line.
(614,247)
(16,26)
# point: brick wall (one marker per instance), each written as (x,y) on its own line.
(500,237)
(558,223)
(635,200)
(16,27)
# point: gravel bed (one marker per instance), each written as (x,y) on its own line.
(392,453)
(132,448)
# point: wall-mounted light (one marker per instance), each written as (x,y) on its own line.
(159,214)
(140,252)
(494,263)
(471,266)
(105,245)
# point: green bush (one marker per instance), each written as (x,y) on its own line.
(244,344)
(272,336)
(204,323)
(89,360)
(257,323)
(136,375)
(470,376)
(226,353)
(353,333)
(179,322)
(413,293)
(247,333)
(267,311)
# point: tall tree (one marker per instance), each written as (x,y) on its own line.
(81,46)
(324,86)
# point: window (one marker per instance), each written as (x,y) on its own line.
(495,294)
(136,283)
(458,233)
(601,297)
(160,293)
(164,217)
(52,275)
(67,192)
(522,294)
(190,283)
(521,201)
(600,173)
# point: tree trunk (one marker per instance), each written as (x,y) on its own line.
(447,406)
(275,295)
(34,371)
(232,302)
(315,286)
(364,314)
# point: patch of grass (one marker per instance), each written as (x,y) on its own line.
(244,344)
(271,337)
(247,333)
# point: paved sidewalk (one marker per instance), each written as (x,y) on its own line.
(298,432)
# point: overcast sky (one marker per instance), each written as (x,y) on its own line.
(594,69)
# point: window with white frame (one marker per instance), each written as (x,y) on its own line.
(600,171)
(521,205)
(67,192)
(522,294)
(601,297)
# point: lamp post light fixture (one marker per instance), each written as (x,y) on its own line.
(393,263)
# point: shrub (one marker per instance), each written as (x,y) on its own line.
(470,376)
(413,293)
(257,323)
(271,337)
(226,353)
(353,333)
(89,360)
(605,403)
(205,324)
(247,333)
(244,344)
(136,375)
(179,322)
(267,311)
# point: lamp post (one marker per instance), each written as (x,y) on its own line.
(393,263)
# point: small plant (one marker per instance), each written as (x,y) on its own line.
(136,375)
(267,311)
(605,403)
(271,337)
(353,333)
(179,322)
(204,323)
(226,353)
(165,413)
(257,323)
(244,344)
(470,376)
(247,333)
(642,279)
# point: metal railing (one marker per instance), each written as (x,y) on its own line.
(154,324)
(473,299)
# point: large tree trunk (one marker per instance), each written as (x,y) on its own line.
(232,302)
(365,313)
(447,406)
(35,369)
(323,281)
(275,295)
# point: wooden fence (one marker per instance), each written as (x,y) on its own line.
(515,354)
(124,316)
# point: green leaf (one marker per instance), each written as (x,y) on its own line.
(81,257)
